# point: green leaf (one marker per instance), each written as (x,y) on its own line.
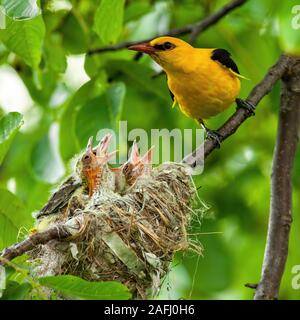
(44,162)
(67,137)
(109,20)
(35,192)
(101,112)
(75,38)
(115,99)
(40,83)
(93,116)
(55,54)
(16,291)
(135,10)
(142,76)
(289,26)
(9,125)
(9,272)
(17,9)
(78,288)
(25,38)
(15,275)
(13,216)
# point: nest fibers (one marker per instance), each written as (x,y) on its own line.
(129,237)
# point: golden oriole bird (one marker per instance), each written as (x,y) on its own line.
(204,82)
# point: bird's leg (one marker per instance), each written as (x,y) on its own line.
(246,105)
(211,134)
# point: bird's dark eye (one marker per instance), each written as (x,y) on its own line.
(86,157)
(165,46)
(168,46)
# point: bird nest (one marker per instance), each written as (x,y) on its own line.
(127,235)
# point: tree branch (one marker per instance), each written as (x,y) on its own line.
(58,232)
(195,29)
(280,218)
(233,123)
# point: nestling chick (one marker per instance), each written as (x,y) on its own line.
(89,171)
(136,165)
(94,164)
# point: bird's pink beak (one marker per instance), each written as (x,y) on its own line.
(144,47)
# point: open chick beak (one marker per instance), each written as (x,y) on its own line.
(135,155)
(102,150)
(89,146)
(136,165)
(144,47)
(103,145)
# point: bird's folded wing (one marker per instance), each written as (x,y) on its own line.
(59,198)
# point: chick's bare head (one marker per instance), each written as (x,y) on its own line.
(94,161)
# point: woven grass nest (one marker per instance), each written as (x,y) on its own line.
(128,235)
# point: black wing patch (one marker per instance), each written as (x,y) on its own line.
(172,95)
(223,56)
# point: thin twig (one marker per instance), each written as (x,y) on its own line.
(195,29)
(280,218)
(241,114)
(251,285)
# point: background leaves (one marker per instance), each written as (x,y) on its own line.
(71,94)
(16,291)
(109,20)
(13,217)
(25,38)
(21,9)
(76,287)
(289,26)
(9,125)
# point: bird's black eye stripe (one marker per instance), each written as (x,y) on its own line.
(165,46)
(158,47)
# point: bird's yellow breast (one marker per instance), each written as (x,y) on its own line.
(205,88)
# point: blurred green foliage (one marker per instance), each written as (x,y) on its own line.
(78,288)
(64,110)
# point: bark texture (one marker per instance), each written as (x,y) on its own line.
(280,217)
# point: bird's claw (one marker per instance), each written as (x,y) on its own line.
(245,105)
(214,136)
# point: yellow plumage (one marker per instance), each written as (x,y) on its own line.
(202,87)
